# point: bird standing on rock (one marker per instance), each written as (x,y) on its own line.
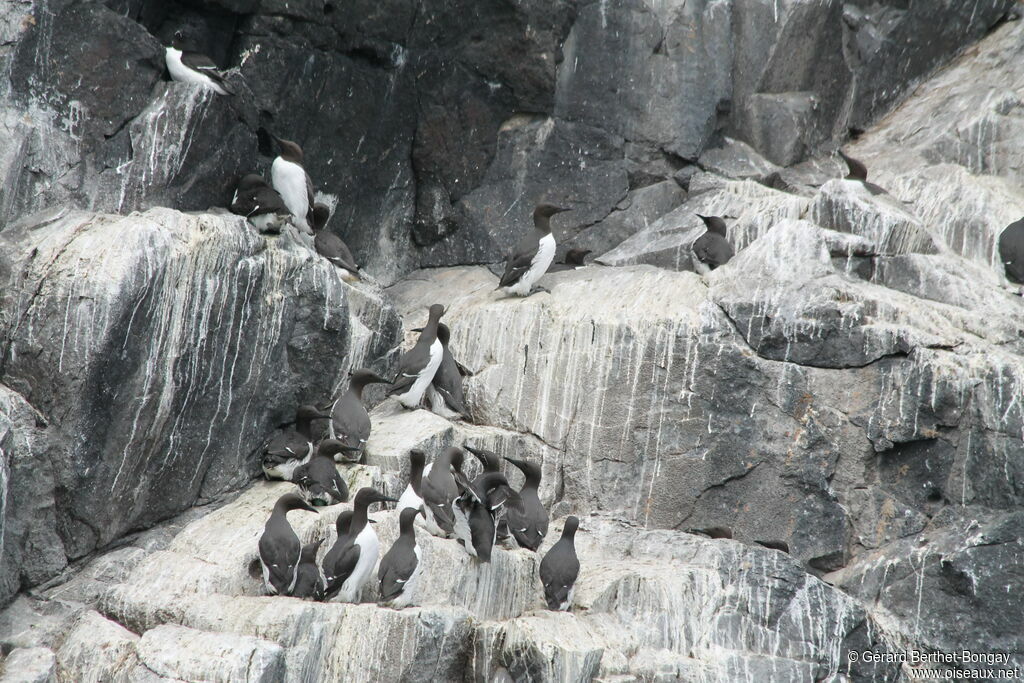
(293,183)
(332,247)
(350,568)
(350,422)
(528,520)
(260,203)
(400,566)
(476,510)
(418,365)
(711,249)
(574,260)
(279,547)
(439,490)
(290,448)
(319,480)
(560,568)
(309,584)
(445,393)
(193,67)
(411,497)
(858,171)
(532,256)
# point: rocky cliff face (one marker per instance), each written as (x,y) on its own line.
(847,390)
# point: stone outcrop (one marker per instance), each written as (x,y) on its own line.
(155,352)
(814,450)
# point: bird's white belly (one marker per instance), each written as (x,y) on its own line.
(289,179)
(409,499)
(540,264)
(462,529)
(369,549)
(267,222)
(413,397)
(286,469)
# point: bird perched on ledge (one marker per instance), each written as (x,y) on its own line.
(193,67)
(532,256)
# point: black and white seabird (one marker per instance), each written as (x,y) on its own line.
(574,260)
(289,448)
(411,497)
(400,566)
(560,568)
(528,520)
(256,200)
(438,490)
(476,512)
(859,172)
(350,423)
(309,583)
(711,249)
(1011,251)
(193,67)
(417,366)
(532,256)
(319,479)
(280,548)
(332,247)
(353,564)
(445,392)
(293,183)
(342,523)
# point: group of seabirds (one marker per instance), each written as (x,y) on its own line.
(480,512)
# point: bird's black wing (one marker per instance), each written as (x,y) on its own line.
(245,204)
(448,382)
(334,249)
(204,65)
(520,260)
(395,570)
(280,555)
(344,565)
(338,488)
(409,367)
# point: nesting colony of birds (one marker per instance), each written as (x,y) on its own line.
(477,513)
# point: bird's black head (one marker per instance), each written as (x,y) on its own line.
(408,517)
(487,458)
(368,496)
(547,211)
(331,447)
(574,257)
(309,551)
(290,151)
(343,522)
(250,181)
(308,412)
(292,501)
(362,376)
(417,458)
(179,41)
(435,312)
(531,470)
(454,456)
(320,215)
(572,523)
(714,224)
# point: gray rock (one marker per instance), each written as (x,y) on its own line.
(32,550)
(29,665)
(98,650)
(201,336)
(184,653)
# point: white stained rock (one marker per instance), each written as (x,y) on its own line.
(178,652)
(29,665)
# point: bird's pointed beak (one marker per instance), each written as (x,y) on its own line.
(417,329)
(514,461)
(311,508)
